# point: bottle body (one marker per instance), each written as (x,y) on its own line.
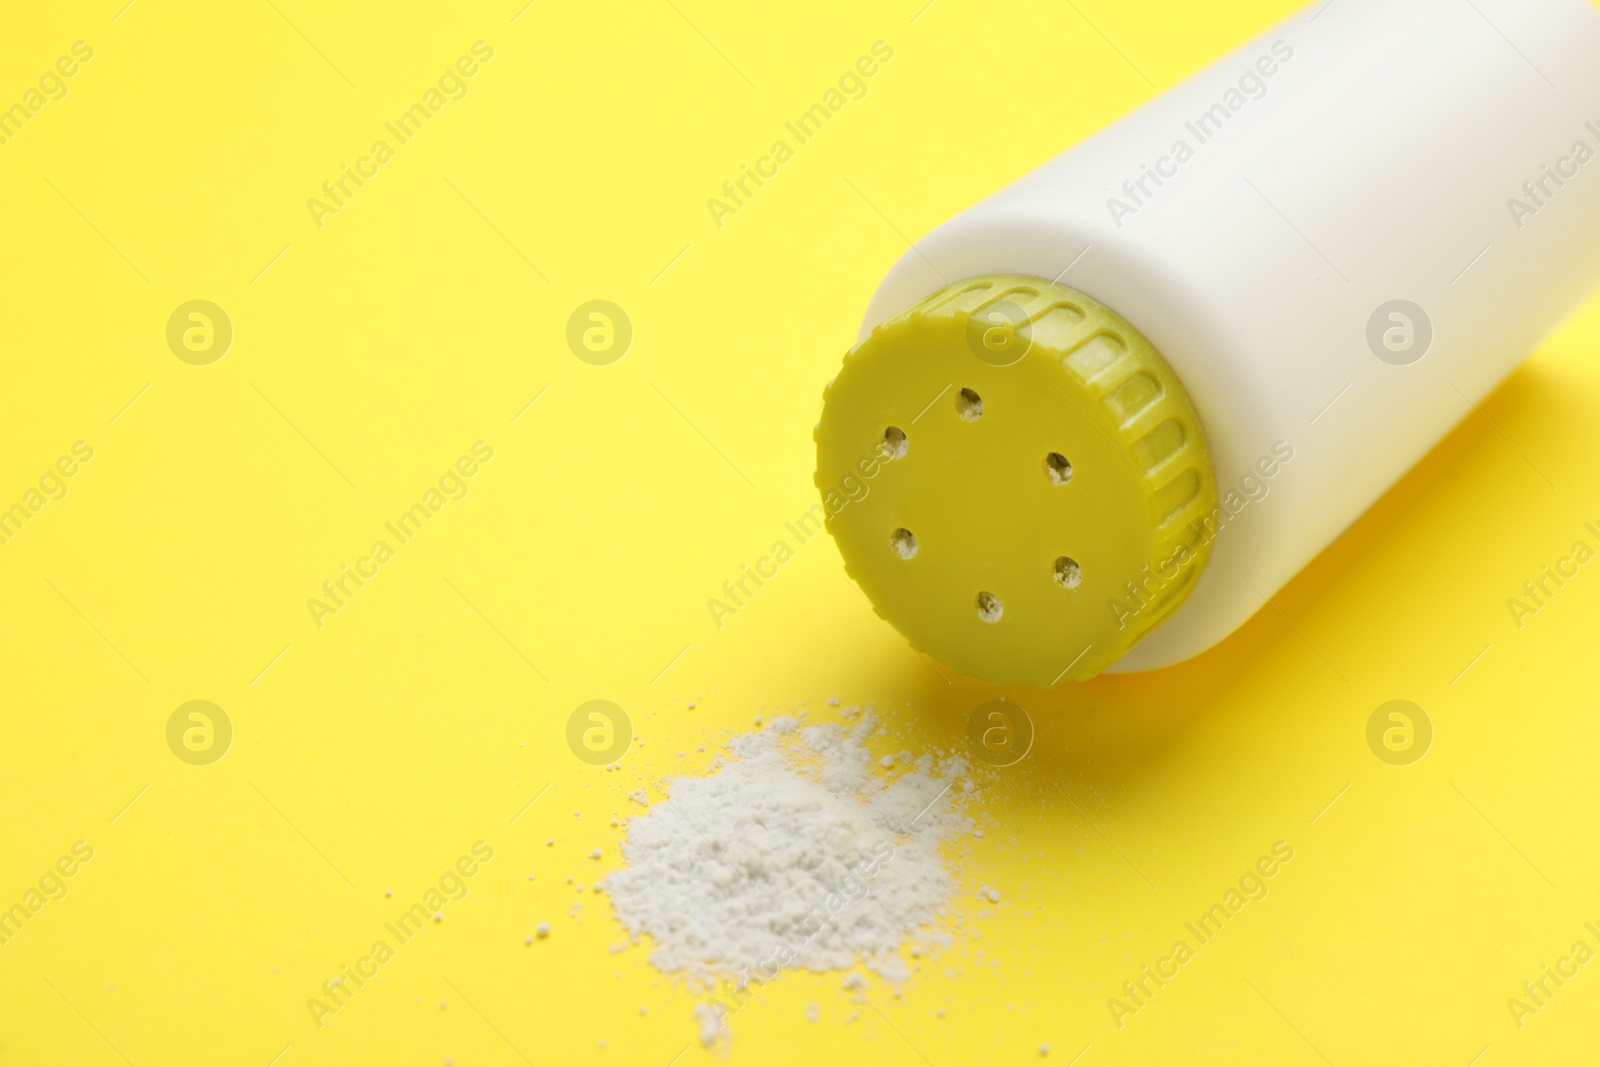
(1340,237)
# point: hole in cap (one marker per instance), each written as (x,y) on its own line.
(894,443)
(969,405)
(989,608)
(1068,575)
(904,542)
(1057,467)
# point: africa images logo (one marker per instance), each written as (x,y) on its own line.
(1252,85)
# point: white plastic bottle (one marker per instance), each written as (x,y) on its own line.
(1338,239)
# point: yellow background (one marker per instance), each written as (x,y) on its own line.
(370,753)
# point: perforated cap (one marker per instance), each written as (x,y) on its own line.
(1016,479)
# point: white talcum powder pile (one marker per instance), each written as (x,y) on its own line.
(798,851)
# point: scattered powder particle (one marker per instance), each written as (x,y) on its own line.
(891,968)
(978,834)
(543,929)
(643,1010)
(551,841)
(1044,1050)
(638,797)
(833,702)
(887,761)
(691,705)
(758,720)
(443,1004)
(577,814)
(594,855)
(388,892)
(814,1010)
(710,1022)
(527,940)
(767,863)
(993,895)
(438,916)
